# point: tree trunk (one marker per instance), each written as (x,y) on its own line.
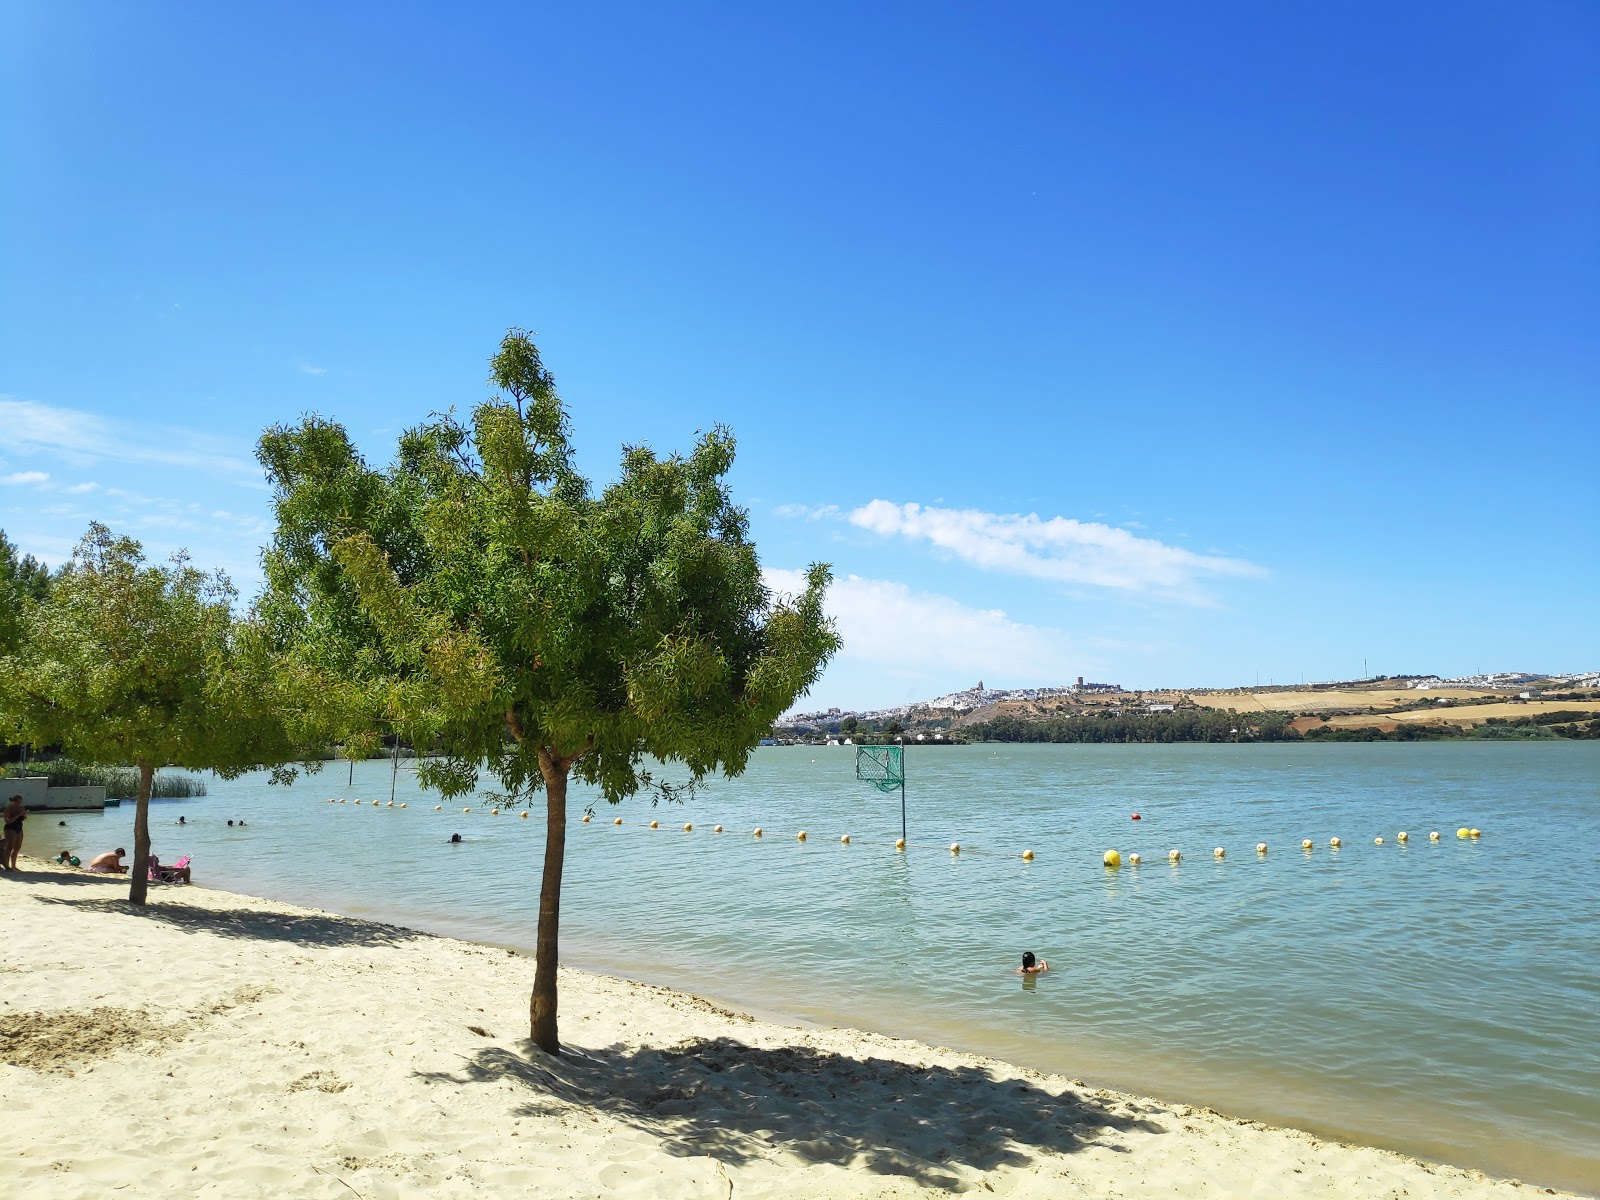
(542,1007)
(140,883)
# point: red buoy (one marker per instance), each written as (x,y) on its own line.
(1135,816)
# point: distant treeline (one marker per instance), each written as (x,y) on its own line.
(1186,725)
(1224,725)
(1538,727)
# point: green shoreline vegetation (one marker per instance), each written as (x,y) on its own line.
(1226,725)
(120,782)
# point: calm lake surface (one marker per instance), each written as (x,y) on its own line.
(1442,999)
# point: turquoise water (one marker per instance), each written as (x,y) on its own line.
(1438,998)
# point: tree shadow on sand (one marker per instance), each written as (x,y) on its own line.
(323,929)
(736,1103)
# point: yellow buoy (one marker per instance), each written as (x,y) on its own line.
(585,818)
(688,826)
(756,832)
(1261,847)
(955,847)
(844,839)
(465,810)
(1134,860)
(618,821)
(655,824)
(331,800)
(1027,855)
(801,836)
(1377,841)
(1174,856)
(390,804)
(1402,836)
(1305,843)
(899,843)
(402,804)
(1334,842)
(1434,836)
(358,802)
(524,815)
(341,801)
(438,808)
(1112,859)
(716,829)
(1475,832)
(494,812)
(1219,852)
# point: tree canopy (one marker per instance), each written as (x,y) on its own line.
(24,580)
(123,662)
(496,609)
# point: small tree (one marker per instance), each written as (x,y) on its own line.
(494,608)
(128,663)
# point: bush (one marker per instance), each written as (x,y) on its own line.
(121,782)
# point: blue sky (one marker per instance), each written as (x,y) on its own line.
(1164,344)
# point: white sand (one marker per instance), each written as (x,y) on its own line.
(219,1045)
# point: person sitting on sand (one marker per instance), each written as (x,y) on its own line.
(167,874)
(109,863)
(11,846)
(1032,966)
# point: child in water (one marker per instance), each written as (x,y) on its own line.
(1031,965)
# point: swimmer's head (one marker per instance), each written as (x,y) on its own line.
(1028,961)
(455,837)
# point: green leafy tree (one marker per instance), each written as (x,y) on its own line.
(493,607)
(24,580)
(128,663)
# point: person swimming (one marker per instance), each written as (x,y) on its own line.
(1031,965)
(455,837)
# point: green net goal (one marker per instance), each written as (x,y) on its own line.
(882,766)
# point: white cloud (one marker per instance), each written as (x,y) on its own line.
(805,512)
(85,439)
(1060,549)
(306,368)
(923,642)
(24,478)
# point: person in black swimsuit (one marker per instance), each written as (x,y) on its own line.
(16,814)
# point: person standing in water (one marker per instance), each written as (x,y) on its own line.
(1031,965)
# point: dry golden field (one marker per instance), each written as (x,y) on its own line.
(1318,701)
(1468,716)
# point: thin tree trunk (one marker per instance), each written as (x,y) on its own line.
(542,1006)
(140,884)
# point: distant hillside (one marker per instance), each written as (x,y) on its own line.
(1403,707)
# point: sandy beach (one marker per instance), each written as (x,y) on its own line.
(220,1045)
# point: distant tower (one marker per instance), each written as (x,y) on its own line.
(1080,682)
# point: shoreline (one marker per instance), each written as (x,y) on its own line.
(278,1047)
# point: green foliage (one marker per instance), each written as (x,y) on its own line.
(24,582)
(122,782)
(487,603)
(128,663)
(476,588)
(1185,725)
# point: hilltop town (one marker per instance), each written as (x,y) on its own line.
(1395,705)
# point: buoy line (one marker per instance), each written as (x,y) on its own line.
(1110,859)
